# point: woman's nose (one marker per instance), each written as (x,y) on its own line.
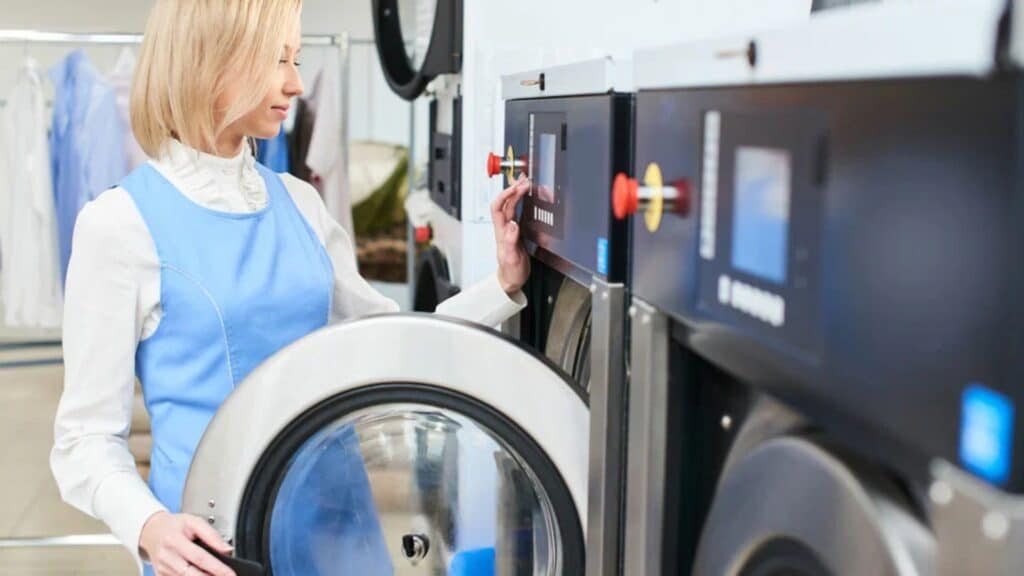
(293,86)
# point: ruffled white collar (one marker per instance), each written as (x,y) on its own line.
(231,184)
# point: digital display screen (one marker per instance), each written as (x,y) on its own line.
(544,168)
(760,228)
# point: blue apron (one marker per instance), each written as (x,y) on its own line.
(234,289)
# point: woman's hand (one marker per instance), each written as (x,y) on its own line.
(513,261)
(168,540)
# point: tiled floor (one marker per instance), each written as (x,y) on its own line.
(30,505)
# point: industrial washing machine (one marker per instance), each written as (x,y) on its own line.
(419,43)
(826,332)
(399,444)
(569,129)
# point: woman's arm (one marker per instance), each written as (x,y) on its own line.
(486,302)
(498,298)
(91,462)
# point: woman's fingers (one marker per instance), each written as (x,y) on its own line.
(521,189)
(202,560)
(504,205)
(511,232)
(170,563)
(205,532)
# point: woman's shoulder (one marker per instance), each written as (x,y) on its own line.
(307,199)
(302,192)
(111,220)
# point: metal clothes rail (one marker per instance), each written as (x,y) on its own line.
(342,42)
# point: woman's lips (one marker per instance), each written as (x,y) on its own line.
(281,111)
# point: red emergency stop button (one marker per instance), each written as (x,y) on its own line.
(625,199)
(423,234)
(493,165)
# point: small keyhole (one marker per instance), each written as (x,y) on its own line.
(415,547)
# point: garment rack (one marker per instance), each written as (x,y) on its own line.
(342,42)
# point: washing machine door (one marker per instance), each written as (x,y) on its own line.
(399,444)
(790,507)
(417,40)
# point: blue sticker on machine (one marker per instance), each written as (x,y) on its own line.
(986,433)
(602,256)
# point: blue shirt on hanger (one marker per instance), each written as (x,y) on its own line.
(86,142)
(273,153)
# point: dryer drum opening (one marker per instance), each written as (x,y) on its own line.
(568,338)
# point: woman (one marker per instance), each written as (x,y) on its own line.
(201,265)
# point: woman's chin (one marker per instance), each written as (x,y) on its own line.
(268,131)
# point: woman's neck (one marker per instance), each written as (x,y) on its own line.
(228,145)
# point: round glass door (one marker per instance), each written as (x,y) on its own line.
(416,21)
(410,489)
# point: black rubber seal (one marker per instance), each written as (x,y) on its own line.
(252,529)
(433,281)
(784,557)
(444,55)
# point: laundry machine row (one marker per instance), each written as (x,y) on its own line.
(822,333)
(825,354)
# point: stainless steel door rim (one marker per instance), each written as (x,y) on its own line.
(791,507)
(447,356)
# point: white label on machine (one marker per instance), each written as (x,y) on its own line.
(752,301)
(709,184)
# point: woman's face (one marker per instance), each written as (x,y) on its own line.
(264,121)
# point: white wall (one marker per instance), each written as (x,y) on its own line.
(376,113)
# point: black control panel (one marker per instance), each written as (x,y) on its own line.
(571,148)
(760,224)
(444,165)
(855,249)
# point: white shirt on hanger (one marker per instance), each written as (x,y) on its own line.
(120,79)
(113,302)
(326,156)
(29,261)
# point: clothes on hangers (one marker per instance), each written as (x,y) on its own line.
(120,78)
(326,152)
(299,137)
(86,141)
(273,153)
(30,281)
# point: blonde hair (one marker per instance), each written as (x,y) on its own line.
(191,52)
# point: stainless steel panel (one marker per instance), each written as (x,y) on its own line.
(980,529)
(596,76)
(607,402)
(646,441)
